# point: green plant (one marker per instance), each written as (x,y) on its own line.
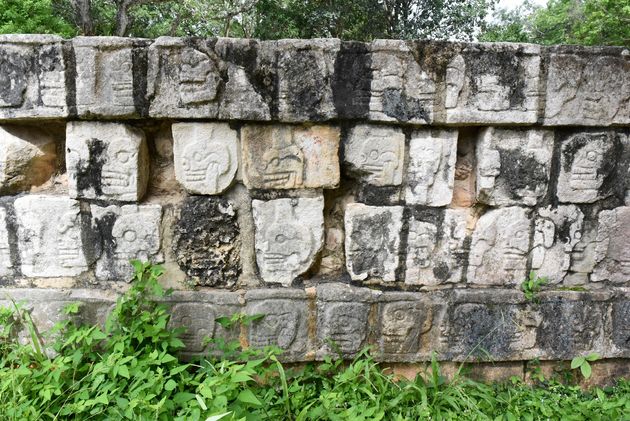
(583,363)
(533,285)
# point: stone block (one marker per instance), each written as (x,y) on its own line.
(403,89)
(288,157)
(54,236)
(582,254)
(621,326)
(110,80)
(32,77)
(493,84)
(431,172)
(513,166)
(375,154)
(27,158)
(7,266)
(352,80)
(590,165)
(305,78)
(612,247)
(206,241)
(499,247)
(206,156)
(128,232)
(372,241)
(289,235)
(436,246)
(588,86)
(107,161)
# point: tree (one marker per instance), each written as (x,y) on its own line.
(32,17)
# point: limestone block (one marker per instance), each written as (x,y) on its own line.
(7,268)
(621,326)
(352,80)
(207,242)
(108,161)
(32,77)
(128,232)
(402,89)
(206,156)
(27,158)
(587,160)
(493,84)
(199,321)
(376,154)
(513,166)
(582,254)
(431,172)
(372,241)
(436,246)
(612,249)
(288,157)
(588,86)
(108,77)
(305,74)
(557,233)
(289,235)
(499,247)
(53,236)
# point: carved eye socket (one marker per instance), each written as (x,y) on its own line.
(271,320)
(374,154)
(399,315)
(280,238)
(198,157)
(578,235)
(591,156)
(122,156)
(519,234)
(130,235)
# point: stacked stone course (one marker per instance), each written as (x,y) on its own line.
(392,193)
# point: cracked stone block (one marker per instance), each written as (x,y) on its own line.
(376,154)
(402,89)
(493,84)
(305,78)
(108,81)
(27,158)
(612,249)
(288,157)
(107,161)
(557,235)
(621,325)
(436,246)
(32,77)
(372,241)
(588,86)
(128,232)
(7,268)
(53,236)
(289,235)
(199,321)
(513,166)
(207,242)
(499,247)
(206,156)
(431,172)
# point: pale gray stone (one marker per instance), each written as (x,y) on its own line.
(376,154)
(198,319)
(436,248)
(612,250)
(6,263)
(499,247)
(32,77)
(128,232)
(289,235)
(52,238)
(431,172)
(108,161)
(27,158)
(513,166)
(372,241)
(583,254)
(588,87)
(206,156)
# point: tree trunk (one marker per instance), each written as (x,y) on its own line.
(122,17)
(83,16)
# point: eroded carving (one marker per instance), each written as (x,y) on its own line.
(621,324)
(612,246)
(198,319)
(402,325)
(345,325)
(280,325)
(6,264)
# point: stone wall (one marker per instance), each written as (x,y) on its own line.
(392,194)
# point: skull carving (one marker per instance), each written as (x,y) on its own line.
(422,241)
(380,158)
(345,325)
(134,240)
(68,240)
(206,163)
(198,81)
(403,323)
(278,326)
(118,173)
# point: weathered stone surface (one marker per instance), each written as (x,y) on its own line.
(583,254)
(493,84)
(588,87)
(612,249)
(372,241)
(621,326)
(289,235)
(352,80)
(106,161)
(53,236)
(436,246)
(465,184)
(128,232)
(206,156)
(431,173)
(513,166)
(287,157)
(557,233)
(402,89)
(206,241)
(198,319)
(32,77)
(376,154)
(499,247)
(7,267)
(27,158)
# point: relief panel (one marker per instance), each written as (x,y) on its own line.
(612,249)
(402,325)
(199,321)
(283,324)
(343,325)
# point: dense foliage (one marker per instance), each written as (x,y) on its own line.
(130,369)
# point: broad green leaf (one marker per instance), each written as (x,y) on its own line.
(170,385)
(247,396)
(586,370)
